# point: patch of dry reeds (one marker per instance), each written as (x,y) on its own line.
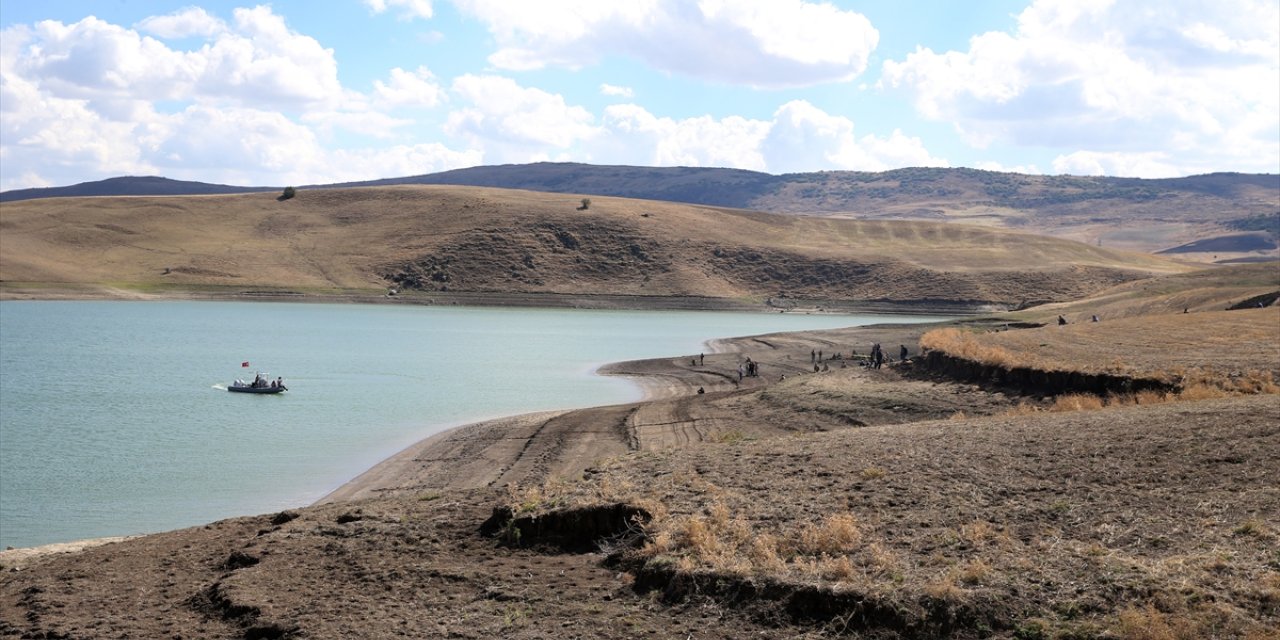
(964,344)
(1076,402)
(831,548)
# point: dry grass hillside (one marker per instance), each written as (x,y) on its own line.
(1207,218)
(1231,350)
(1220,216)
(447,240)
(1212,289)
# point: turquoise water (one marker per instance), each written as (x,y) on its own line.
(114,418)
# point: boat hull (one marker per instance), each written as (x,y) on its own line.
(256,389)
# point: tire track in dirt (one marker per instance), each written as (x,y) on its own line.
(566,444)
(672,423)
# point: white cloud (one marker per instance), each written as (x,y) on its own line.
(614,90)
(802,137)
(370,123)
(254,103)
(1174,88)
(267,62)
(202,139)
(260,61)
(511,123)
(635,136)
(409,9)
(409,89)
(54,140)
(502,114)
(991,165)
(762,43)
(189,22)
(799,137)
(93,58)
(1092,163)
(400,160)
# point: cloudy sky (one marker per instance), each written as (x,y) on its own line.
(301,92)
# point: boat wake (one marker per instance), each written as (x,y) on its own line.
(220,387)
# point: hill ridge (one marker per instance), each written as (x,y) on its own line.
(1138,214)
(447,239)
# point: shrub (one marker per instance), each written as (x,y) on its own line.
(289,192)
(1076,402)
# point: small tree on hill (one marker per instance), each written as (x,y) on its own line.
(586,204)
(289,192)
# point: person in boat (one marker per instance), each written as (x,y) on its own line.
(280,383)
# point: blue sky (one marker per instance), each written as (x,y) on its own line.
(296,92)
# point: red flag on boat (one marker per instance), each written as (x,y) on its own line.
(245,363)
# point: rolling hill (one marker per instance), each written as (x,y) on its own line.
(128,186)
(1209,218)
(448,241)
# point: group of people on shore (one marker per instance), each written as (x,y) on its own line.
(874,360)
(749,368)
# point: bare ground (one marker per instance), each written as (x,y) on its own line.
(851,502)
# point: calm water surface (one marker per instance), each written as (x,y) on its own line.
(114,418)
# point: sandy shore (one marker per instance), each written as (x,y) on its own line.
(529,449)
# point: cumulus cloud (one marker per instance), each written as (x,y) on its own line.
(802,137)
(614,90)
(799,137)
(1153,164)
(635,136)
(189,22)
(254,102)
(762,43)
(991,165)
(1176,88)
(409,89)
(54,140)
(258,61)
(409,9)
(264,60)
(506,116)
(400,160)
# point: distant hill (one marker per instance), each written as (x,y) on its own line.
(444,240)
(1126,213)
(1129,213)
(720,187)
(129,186)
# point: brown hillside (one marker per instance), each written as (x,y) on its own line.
(1214,289)
(1139,215)
(480,240)
(1217,217)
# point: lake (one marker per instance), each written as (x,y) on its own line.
(115,419)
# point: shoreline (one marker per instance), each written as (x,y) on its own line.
(621,302)
(421,464)
(534,447)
